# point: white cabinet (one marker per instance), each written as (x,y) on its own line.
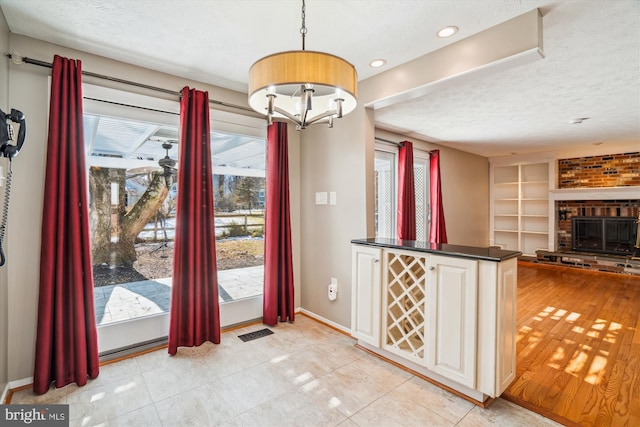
(429,312)
(452,295)
(365,299)
(520,210)
(450,318)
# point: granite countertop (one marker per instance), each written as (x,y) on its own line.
(472,252)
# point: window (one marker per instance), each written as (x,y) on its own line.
(385,190)
(386,187)
(133,214)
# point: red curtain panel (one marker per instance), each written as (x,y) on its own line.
(195,312)
(278,265)
(406,193)
(66,341)
(438,232)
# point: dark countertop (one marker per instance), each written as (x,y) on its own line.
(473,252)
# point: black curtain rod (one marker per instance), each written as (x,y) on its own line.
(399,144)
(23,59)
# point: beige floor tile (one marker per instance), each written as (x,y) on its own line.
(504,414)
(389,411)
(242,420)
(54,395)
(177,376)
(352,389)
(206,405)
(295,409)
(117,370)
(435,399)
(256,385)
(348,423)
(99,404)
(143,417)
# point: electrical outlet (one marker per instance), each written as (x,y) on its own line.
(333,291)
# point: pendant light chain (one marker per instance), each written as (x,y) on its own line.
(303,29)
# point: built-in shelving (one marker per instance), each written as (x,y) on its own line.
(520,208)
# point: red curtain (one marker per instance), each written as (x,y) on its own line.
(438,232)
(406,193)
(195,313)
(278,265)
(66,341)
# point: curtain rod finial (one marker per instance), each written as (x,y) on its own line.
(16,58)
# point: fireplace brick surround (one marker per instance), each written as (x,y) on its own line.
(596,172)
(566,209)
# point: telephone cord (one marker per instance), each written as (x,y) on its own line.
(5,215)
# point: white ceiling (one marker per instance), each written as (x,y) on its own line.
(591,67)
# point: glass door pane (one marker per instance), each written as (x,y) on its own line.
(385,194)
(133,218)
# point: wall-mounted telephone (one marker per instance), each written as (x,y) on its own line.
(6,133)
(9,151)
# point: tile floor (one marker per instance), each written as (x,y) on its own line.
(305,374)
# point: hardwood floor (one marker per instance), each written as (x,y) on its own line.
(578,346)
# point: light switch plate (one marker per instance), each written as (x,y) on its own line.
(321,198)
(332,198)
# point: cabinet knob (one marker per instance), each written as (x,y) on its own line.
(376,261)
(432,268)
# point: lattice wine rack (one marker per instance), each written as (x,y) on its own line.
(405,298)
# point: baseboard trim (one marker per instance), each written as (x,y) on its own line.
(4,394)
(330,323)
(14,386)
(20,383)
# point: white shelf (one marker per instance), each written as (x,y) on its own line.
(520,220)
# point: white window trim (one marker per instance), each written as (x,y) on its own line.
(418,156)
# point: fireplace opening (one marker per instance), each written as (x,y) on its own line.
(611,235)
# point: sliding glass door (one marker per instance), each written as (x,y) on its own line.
(132,159)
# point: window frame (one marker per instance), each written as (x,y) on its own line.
(420,157)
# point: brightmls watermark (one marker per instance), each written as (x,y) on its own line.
(34,415)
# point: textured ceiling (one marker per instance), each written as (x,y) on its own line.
(591,66)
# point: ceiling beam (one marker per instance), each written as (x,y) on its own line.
(514,42)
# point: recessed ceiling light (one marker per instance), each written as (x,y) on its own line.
(377,63)
(447,31)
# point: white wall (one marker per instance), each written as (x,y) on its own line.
(332,160)
(4,87)
(29,92)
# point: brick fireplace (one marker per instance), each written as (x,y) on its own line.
(566,209)
(599,186)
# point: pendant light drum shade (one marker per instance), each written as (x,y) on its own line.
(283,78)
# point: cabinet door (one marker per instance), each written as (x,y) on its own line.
(452,295)
(365,297)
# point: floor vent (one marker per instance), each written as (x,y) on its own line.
(255,335)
